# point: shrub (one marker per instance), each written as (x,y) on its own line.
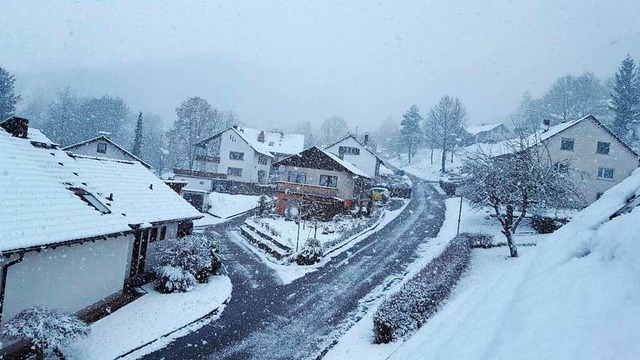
(483,241)
(45,329)
(408,309)
(310,253)
(195,254)
(447,186)
(173,279)
(547,224)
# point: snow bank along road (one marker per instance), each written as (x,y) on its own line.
(266,320)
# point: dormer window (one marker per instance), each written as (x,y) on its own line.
(102,148)
(90,199)
(270,143)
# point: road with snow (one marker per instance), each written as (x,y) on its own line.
(301,320)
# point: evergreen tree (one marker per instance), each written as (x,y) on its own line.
(8,98)
(625,99)
(137,140)
(410,131)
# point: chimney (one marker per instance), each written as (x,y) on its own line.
(366,139)
(261,136)
(235,126)
(16,126)
(546,123)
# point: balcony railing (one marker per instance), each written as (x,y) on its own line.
(199,174)
(207,158)
(317,190)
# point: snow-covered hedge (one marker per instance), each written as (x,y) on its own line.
(407,310)
(310,253)
(181,262)
(45,329)
(479,240)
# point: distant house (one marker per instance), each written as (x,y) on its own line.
(489,133)
(597,158)
(238,155)
(102,146)
(353,151)
(76,230)
(318,181)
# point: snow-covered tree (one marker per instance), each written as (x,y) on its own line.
(138,137)
(196,120)
(410,131)
(311,252)
(571,97)
(263,206)
(446,122)
(529,115)
(388,136)
(8,97)
(513,185)
(45,329)
(332,130)
(306,129)
(625,98)
(63,124)
(195,254)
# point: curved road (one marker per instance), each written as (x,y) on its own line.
(301,320)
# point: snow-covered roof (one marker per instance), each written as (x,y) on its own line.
(106,139)
(39,206)
(347,165)
(36,135)
(274,142)
(363,146)
(476,129)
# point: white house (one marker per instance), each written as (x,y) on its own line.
(488,133)
(353,151)
(238,154)
(102,146)
(75,229)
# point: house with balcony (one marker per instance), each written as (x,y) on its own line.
(358,153)
(237,158)
(317,182)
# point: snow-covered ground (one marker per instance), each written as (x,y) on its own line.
(226,206)
(152,321)
(422,167)
(573,296)
(358,343)
(289,272)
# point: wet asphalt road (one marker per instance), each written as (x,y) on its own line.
(267,320)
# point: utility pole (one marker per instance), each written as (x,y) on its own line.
(459,216)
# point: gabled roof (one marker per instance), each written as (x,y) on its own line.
(287,144)
(39,205)
(476,129)
(357,141)
(106,139)
(316,158)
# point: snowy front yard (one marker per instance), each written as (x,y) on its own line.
(153,321)
(226,206)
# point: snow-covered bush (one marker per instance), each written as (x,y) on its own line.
(478,240)
(310,253)
(195,254)
(264,207)
(407,310)
(173,279)
(45,329)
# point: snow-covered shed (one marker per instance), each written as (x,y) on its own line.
(75,229)
(102,146)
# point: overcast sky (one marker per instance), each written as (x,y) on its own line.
(308,60)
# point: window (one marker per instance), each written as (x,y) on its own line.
(263,159)
(603,148)
(297,177)
(234,155)
(163,233)
(598,195)
(154,235)
(562,168)
(234,171)
(91,200)
(329,181)
(102,148)
(567,144)
(348,150)
(605,173)
(270,143)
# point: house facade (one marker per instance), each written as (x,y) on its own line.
(102,146)
(595,155)
(76,230)
(238,154)
(319,180)
(353,151)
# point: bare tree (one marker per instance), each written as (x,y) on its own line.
(515,183)
(332,130)
(444,124)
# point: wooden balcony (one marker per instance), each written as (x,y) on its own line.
(307,189)
(207,158)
